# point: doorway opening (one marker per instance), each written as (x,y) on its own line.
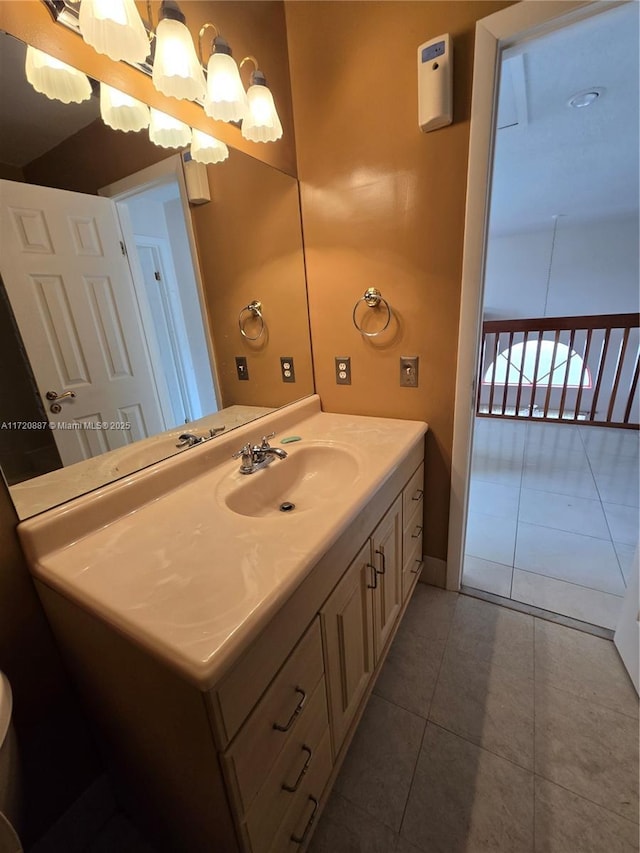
(552,513)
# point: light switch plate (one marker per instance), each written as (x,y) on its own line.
(409,371)
(343,370)
(287,369)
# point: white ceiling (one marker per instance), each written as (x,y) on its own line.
(554,159)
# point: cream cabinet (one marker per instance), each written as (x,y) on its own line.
(246,766)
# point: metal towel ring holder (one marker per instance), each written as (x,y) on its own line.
(255,310)
(373,298)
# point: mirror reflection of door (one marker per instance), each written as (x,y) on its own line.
(70,288)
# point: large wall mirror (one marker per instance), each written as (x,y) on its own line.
(123,308)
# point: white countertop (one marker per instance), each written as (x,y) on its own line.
(163,560)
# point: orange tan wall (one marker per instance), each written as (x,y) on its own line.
(250,248)
(250,26)
(383,205)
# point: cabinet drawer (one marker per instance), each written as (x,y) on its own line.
(295,830)
(413,495)
(412,569)
(276,717)
(288,774)
(412,536)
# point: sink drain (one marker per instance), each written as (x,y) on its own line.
(287,506)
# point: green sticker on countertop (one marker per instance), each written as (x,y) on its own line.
(290,439)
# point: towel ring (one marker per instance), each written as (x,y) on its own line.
(373,298)
(255,310)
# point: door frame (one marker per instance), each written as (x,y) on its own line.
(495,33)
(154,175)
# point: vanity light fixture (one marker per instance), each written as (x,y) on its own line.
(114,27)
(167,131)
(56,79)
(121,111)
(226,99)
(207,149)
(262,123)
(176,69)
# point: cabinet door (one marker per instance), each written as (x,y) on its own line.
(346,620)
(387,559)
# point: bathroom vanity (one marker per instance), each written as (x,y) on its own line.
(225,648)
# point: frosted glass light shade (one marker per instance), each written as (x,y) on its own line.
(122,112)
(261,123)
(176,70)
(56,79)
(226,99)
(114,27)
(207,149)
(168,132)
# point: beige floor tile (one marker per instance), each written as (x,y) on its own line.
(487,575)
(404,846)
(377,772)
(493,634)
(345,828)
(587,748)
(465,799)
(430,612)
(486,704)
(408,677)
(567,823)
(584,665)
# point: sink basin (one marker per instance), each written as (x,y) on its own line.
(310,476)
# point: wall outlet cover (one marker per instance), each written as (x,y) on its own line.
(242,369)
(343,370)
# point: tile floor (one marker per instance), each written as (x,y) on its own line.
(489,730)
(553,515)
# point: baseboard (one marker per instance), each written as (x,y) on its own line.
(434,572)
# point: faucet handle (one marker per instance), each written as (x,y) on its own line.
(244,451)
(265,441)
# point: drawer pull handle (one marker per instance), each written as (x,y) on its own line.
(420,564)
(417,534)
(300,839)
(374,575)
(293,788)
(418,495)
(292,718)
(384,562)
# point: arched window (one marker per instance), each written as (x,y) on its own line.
(516,366)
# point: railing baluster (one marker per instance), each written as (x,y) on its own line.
(572,338)
(535,375)
(496,350)
(632,391)
(505,392)
(601,366)
(547,398)
(519,394)
(583,373)
(616,381)
(483,367)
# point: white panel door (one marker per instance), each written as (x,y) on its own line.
(70,287)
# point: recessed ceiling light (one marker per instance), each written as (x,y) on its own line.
(585,98)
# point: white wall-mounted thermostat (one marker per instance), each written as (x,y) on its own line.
(435,83)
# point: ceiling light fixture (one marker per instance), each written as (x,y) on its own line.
(262,123)
(176,69)
(122,112)
(56,79)
(226,99)
(167,131)
(585,98)
(115,28)
(207,149)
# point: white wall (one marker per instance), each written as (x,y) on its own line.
(595,270)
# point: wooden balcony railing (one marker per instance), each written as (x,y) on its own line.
(563,369)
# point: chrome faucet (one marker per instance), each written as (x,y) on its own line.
(188,439)
(258,456)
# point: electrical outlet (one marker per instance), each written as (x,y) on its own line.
(343,370)
(241,367)
(287,369)
(409,371)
